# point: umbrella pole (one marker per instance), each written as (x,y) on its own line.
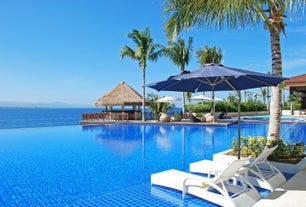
(239,110)
(213,103)
(155,110)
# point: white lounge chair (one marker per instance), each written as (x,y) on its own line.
(207,167)
(217,190)
(259,172)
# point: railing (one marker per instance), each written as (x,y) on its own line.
(294,138)
(117,116)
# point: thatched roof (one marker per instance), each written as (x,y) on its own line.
(121,95)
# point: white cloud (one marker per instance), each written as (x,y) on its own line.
(295,58)
(301,30)
(294,63)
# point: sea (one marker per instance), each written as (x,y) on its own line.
(18,117)
(11,117)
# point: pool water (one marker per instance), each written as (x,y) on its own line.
(106,165)
(266,118)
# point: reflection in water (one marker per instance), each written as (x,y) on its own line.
(162,138)
(159,143)
(119,146)
(121,139)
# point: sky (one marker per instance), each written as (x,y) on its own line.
(69,50)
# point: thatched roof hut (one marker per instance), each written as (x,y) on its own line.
(122,95)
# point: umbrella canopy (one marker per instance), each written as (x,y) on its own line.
(216,77)
(167,99)
(205,98)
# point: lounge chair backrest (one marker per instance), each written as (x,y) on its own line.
(263,156)
(232,169)
(193,118)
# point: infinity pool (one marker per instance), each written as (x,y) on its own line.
(106,165)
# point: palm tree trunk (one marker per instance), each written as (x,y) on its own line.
(275,105)
(143,94)
(183,105)
(268,98)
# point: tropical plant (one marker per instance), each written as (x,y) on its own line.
(180,54)
(210,55)
(238,14)
(252,105)
(232,98)
(145,50)
(158,107)
(253,146)
(199,108)
(283,87)
(264,94)
(188,96)
(294,103)
(152,98)
(246,91)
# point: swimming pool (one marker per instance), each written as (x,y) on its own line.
(106,165)
(266,118)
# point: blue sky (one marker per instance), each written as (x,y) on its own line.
(69,50)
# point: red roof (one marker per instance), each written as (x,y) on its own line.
(298,78)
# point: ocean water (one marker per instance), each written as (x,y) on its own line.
(41,117)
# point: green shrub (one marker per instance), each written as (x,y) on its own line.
(291,153)
(251,105)
(221,106)
(199,115)
(249,146)
(224,106)
(199,108)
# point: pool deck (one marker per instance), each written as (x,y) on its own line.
(291,193)
(221,122)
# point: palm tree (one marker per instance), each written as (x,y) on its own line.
(158,107)
(146,50)
(237,14)
(264,95)
(283,87)
(180,54)
(245,91)
(210,55)
(188,96)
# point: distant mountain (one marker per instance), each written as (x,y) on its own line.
(43,105)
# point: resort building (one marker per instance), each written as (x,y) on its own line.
(297,87)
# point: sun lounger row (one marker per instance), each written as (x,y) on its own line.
(225,184)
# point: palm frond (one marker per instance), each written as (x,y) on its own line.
(128,52)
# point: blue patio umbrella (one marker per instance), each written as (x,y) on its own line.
(216,77)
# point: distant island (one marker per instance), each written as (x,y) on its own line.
(42,105)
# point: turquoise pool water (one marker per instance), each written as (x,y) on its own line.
(106,165)
(266,118)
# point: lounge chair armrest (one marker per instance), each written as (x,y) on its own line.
(205,184)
